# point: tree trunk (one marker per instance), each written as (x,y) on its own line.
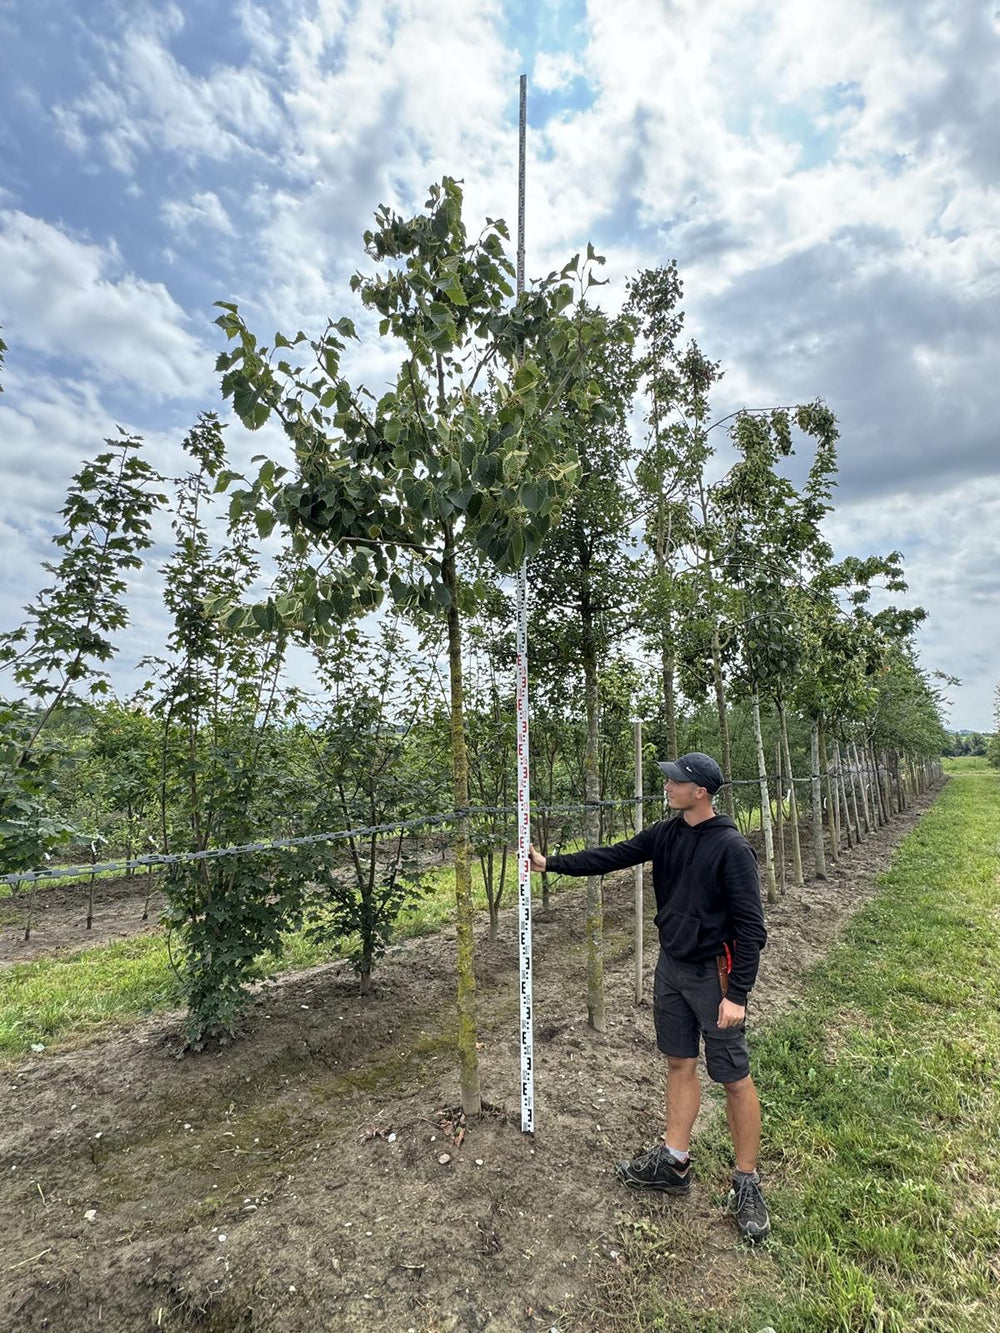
(891,795)
(862,786)
(793,807)
(492,904)
(843,810)
(670,700)
(667,654)
(765,801)
(831,800)
(465,946)
(851,779)
(720,705)
(779,828)
(591,818)
(878,793)
(819,851)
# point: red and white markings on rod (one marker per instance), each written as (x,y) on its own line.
(524,859)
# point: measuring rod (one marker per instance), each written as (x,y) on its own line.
(523,775)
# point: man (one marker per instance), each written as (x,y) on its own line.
(711,926)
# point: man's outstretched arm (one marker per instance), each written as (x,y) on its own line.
(597,860)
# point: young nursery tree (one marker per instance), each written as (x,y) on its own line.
(218,704)
(467,453)
(122,766)
(69,635)
(358,739)
(581,584)
(770,538)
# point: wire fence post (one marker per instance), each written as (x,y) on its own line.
(523,774)
(637,729)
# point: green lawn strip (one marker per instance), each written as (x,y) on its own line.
(79,992)
(967,763)
(881,1103)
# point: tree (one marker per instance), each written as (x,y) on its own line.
(669,478)
(108,513)
(68,635)
(360,779)
(769,537)
(580,582)
(466,455)
(218,701)
(123,769)
(993,746)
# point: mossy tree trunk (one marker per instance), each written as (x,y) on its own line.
(465,947)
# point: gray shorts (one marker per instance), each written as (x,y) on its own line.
(686,998)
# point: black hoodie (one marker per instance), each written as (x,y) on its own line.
(707,890)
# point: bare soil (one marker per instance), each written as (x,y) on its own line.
(314,1175)
(58,915)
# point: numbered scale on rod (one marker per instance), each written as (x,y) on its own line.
(524,862)
(523,782)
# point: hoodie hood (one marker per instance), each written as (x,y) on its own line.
(713,825)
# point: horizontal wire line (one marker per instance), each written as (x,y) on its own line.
(400,826)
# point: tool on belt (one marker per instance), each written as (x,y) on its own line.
(724,962)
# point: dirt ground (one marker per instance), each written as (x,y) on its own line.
(59,916)
(313,1174)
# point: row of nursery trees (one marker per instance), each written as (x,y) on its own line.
(993,744)
(692,587)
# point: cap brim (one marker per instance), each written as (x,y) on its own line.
(673,771)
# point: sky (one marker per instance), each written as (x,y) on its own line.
(827,178)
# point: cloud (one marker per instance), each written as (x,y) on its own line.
(901,354)
(952,572)
(825,176)
(148,100)
(67,297)
(203,210)
(554,70)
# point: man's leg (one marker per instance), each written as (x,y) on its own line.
(677,1036)
(743,1114)
(683,1100)
(746,1201)
(728,1062)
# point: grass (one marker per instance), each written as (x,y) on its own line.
(881,1110)
(78,993)
(967,763)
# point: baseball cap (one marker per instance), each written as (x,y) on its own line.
(699,768)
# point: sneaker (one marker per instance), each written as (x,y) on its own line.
(656,1169)
(746,1203)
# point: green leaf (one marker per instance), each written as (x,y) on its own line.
(454,291)
(534,496)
